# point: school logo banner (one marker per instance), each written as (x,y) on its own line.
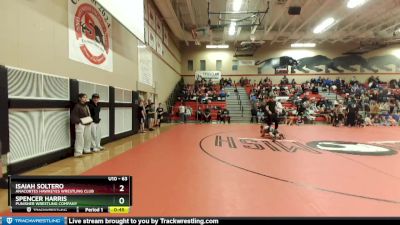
(90,34)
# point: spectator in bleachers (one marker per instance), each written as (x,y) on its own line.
(199,114)
(374,109)
(222,94)
(284,80)
(207,114)
(351,113)
(225,117)
(254,118)
(293,82)
(219,113)
(367,120)
(188,112)
(314,89)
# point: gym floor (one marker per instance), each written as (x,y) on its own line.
(228,170)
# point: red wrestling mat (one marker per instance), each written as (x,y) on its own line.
(227,170)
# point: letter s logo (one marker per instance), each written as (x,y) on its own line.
(90,31)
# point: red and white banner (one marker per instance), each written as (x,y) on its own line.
(90,34)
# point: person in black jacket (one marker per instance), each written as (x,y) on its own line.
(82,131)
(271,112)
(94,108)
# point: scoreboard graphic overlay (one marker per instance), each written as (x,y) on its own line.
(75,194)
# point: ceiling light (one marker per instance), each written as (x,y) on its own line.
(355,3)
(232,29)
(237,4)
(303,45)
(217,46)
(324,26)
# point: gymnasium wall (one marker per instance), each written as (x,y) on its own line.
(39,80)
(388,57)
(34,36)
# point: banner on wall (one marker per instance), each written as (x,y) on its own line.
(165,35)
(146,33)
(158,26)
(152,19)
(145,10)
(90,34)
(152,39)
(213,75)
(159,46)
(246,62)
(145,58)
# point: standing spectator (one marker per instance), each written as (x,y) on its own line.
(188,113)
(141,116)
(182,110)
(151,115)
(352,112)
(80,117)
(94,108)
(160,112)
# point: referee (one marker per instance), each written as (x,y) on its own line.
(271,114)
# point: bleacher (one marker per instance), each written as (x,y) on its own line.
(214,106)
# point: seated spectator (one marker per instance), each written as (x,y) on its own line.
(254,118)
(284,80)
(222,94)
(199,114)
(219,112)
(391,120)
(314,90)
(291,118)
(225,117)
(368,121)
(207,115)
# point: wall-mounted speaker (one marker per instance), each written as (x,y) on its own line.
(294,10)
